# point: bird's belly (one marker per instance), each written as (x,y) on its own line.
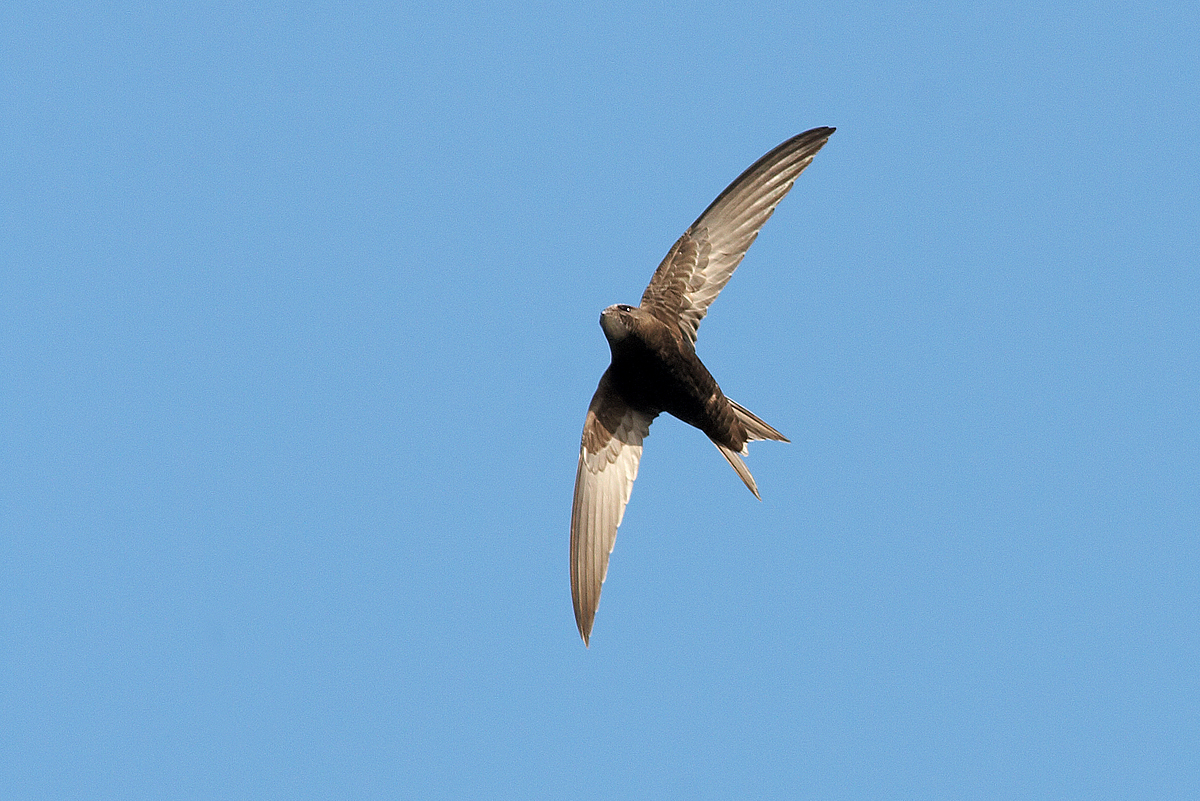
(655,385)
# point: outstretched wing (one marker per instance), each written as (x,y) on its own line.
(608,464)
(701,262)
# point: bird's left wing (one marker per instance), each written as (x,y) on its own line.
(608,463)
(701,262)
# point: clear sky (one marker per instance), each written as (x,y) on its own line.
(298,325)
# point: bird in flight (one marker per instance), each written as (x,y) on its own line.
(655,368)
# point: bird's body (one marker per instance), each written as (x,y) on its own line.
(655,369)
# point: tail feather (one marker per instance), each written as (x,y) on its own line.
(739,467)
(755,429)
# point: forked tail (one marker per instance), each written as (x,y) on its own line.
(756,429)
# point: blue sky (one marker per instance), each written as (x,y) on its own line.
(298,325)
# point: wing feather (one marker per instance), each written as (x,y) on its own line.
(609,453)
(702,261)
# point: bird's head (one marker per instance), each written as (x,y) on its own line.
(617,321)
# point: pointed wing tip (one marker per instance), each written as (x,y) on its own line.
(583,622)
(814,138)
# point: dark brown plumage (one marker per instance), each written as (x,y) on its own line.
(655,368)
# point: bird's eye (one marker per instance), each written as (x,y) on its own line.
(623,307)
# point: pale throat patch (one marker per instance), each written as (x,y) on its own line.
(612,325)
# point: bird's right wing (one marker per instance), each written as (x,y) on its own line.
(702,261)
(608,463)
